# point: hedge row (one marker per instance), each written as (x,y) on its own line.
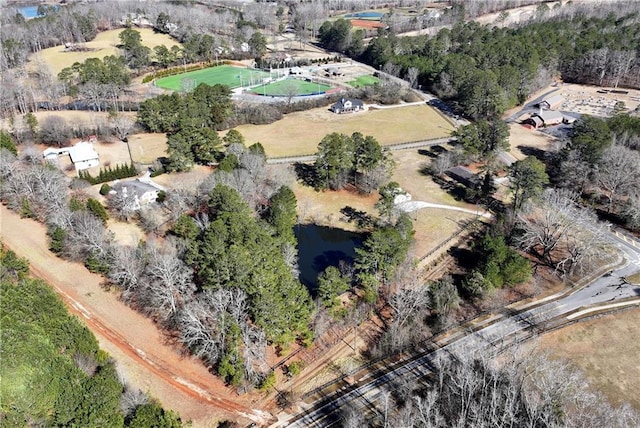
(109,174)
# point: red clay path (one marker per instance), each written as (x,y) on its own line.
(143,356)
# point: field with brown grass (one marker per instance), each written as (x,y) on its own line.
(146,148)
(606,349)
(299,133)
(103,45)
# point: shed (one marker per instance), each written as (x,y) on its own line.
(552,103)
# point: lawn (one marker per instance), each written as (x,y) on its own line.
(231,76)
(365,80)
(103,45)
(607,350)
(146,148)
(291,87)
(299,133)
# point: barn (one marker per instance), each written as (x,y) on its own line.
(552,103)
(544,118)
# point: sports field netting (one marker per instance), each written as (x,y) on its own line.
(229,75)
(291,87)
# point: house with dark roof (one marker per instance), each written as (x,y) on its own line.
(463,175)
(347,105)
(142,191)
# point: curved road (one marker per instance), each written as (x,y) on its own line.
(364,396)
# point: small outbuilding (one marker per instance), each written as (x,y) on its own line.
(552,103)
(83,155)
(544,118)
(347,105)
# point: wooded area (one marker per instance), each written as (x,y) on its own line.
(53,372)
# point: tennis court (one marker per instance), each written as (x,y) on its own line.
(229,75)
(291,87)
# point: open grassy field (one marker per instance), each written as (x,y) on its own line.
(299,133)
(103,45)
(146,148)
(291,86)
(229,75)
(365,80)
(607,350)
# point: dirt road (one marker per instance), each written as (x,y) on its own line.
(144,357)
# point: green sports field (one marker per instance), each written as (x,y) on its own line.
(289,87)
(365,80)
(229,75)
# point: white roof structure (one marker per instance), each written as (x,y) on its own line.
(83,155)
(554,101)
(82,152)
(550,116)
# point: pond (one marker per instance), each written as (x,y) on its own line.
(30,11)
(320,247)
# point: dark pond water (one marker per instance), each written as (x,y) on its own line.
(320,247)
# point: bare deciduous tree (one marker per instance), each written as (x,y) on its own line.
(561,234)
(618,173)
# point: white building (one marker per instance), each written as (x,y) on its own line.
(139,192)
(83,155)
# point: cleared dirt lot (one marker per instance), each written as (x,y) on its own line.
(299,133)
(56,58)
(585,99)
(521,139)
(607,350)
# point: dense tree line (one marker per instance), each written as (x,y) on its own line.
(487,70)
(53,372)
(517,389)
(601,161)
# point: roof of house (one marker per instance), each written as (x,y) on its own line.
(134,186)
(549,116)
(354,102)
(139,186)
(554,100)
(83,151)
(461,172)
(537,121)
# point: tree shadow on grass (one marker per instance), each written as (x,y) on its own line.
(306,174)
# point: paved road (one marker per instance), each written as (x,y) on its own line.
(364,397)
